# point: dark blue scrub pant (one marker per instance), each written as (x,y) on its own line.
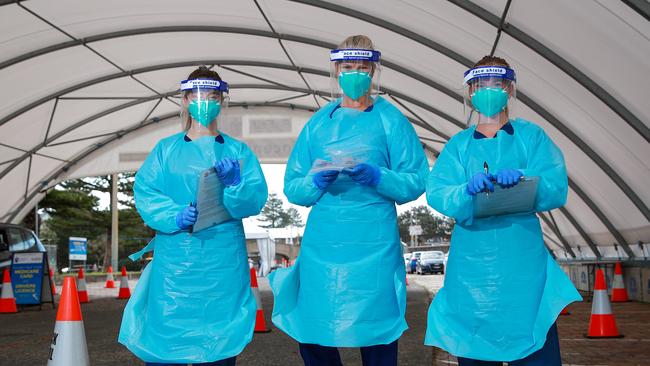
(380,355)
(548,355)
(227,362)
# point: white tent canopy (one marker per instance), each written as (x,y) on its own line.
(90,86)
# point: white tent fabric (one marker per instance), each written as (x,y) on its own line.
(89,87)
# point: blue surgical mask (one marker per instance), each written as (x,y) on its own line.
(490,101)
(204,111)
(355,84)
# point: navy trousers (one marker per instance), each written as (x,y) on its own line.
(227,362)
(548,355)
(380,355)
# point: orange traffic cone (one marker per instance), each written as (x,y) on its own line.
(260,323)
(565,311)
(602,323)
(81,287)
(125,291)
(619,293)
(110,281)
(7,299)
(52,282)
(407,280)
(69,341)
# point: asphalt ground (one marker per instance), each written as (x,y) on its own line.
(25,337)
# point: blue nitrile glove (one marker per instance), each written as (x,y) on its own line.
(479,183)
(324,178)
(507,178)
(364,174)
(186,217)
(228,171)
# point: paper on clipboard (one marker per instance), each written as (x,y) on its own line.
(209,201)
(505,201)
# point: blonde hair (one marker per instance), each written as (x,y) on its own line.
(359,41)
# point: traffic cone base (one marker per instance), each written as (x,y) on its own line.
(7,299)
(125,291)
(68,345)
(110,280)
(260,323)
(603,324)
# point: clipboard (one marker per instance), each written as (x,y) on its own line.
(209,201)
(505,201)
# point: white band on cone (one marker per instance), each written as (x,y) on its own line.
(601,305)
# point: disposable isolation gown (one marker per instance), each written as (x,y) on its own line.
(193,302)
(502,289)
(347,288)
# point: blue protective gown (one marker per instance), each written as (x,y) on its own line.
(193,302)
(347,288)
(502,289)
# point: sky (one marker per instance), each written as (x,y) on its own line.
(274,174)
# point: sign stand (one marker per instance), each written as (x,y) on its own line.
(30,277)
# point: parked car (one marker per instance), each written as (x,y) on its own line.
(14,238)
(431,262)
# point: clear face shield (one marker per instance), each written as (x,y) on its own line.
(354,73)
(489,94)
(204,103)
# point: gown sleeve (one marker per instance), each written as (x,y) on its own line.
(545,160)
(158,210)
(404,180)
(298,185)
(249,196)
(447,186)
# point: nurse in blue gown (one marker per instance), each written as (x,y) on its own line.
(503,291)
(354,159)
(193,302)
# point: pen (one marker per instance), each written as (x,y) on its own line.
(486,170)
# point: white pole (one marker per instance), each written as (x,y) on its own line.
(114,223)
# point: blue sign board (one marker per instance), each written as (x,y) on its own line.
(78,249)
(27,270)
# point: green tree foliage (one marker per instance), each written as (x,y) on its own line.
(273,214)
(71,209)
(433,226)
(294,218)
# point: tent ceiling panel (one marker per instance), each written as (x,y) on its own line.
(22,32)
(164,80)
(27,129)
(120,87)
(12,188)
(46,74)
(112,122)
(258,95)
(147,49)
(493,6)
(69,112)
(600,47)
(67,149)
(82,19)
(586,219)
(269,75)
(40,169)
(8,153)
